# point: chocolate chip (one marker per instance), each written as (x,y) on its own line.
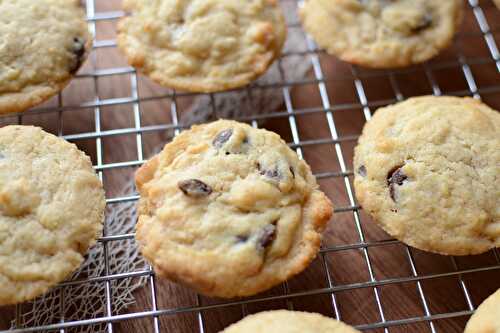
(79,46)
(267,236)
(273,174)
(194,188)
(242,238)
(78,49)
(362,171)
(222,137)
(395,177)
(269,173)
(292,172)
(424,23)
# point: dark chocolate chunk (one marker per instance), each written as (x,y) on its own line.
(78,50)
(273,174)
(424,23)
(395,177)
(222,137)
(362,171)
(292,172)
(79,46)
(267,236)
(194,188)
(242,238)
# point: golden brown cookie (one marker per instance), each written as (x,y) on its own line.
(51,211)
(486,318)
(382,33)
(202,45)
(43,45)
(283,321)
(229,210)
(427,170)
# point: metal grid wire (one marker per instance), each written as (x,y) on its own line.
(327,108)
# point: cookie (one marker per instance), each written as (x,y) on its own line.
(288,322)
(229,210)
(426,170)
(43,45)
(51,211)
(202,45)
(485,319)
(382,33)
(497,3)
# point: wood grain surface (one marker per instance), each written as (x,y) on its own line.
(347,264)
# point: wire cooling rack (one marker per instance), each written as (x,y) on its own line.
(358,276)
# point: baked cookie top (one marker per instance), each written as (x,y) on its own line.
(202,45)
(427,169)
(229,210)
(288,322)
(497,3)
(382,33)
(485,320)
(51,211)
(43,44)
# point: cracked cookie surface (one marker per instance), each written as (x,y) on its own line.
(51,211)
(202,45)
(284,321)
(382,33)
(485,319)
(427,170)
(229,210)
(43,45)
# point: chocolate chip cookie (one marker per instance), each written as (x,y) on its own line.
(485,319)
(202,45)
(497,3)
(43,45)
(289,322)
(229,210)
(51,211)
(427,170)
(382,33)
